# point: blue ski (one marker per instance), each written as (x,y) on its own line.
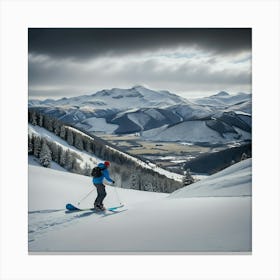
(71,208)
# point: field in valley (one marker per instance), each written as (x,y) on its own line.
(171,155)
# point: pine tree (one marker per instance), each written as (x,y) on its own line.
(244,156)
(48,123)
(55,152)
(88,145)
(40,120)
(78,141)
(62,132)
(76,167)
(33,118)
(69,160)
(70,137)
(134,180)
(30,144)
(56,127)
(87,169)
(45,155)
(62,158)
(37,146)
(187,179)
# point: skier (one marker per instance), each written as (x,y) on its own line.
(97,180)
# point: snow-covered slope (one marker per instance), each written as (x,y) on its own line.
(149,222)
(222,99)
(91,159)
(233,181)
(117,98)
(193,132)
(243,107)
(85,158)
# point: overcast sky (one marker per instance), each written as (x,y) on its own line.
(189,62)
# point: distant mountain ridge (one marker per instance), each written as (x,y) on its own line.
(222,99)
(137,95)
(139,109)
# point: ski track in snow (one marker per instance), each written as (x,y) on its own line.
(41,222)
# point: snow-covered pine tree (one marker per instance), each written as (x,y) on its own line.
(76,167)
(33,119)
(78,141)
(55,152)
(87,169)
(69,160)
(62,157)
(88,145)
(40,120)
(244,156)
(48,123)
(62,132)
(37,146)
(30,144)
(45,157)
(188,178)
(134,180)
(70,137)
(56,127)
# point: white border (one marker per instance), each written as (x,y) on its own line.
(262,16)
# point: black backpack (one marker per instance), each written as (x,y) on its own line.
(96,172)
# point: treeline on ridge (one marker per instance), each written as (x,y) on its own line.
(126,171)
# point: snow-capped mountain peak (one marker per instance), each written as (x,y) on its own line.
(139,96)
(222,99)
(221,94)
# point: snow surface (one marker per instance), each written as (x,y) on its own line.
(222,99)
(191,131)
(184,221)
(139,118)
(100,125)
(233,181)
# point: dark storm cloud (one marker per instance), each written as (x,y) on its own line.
(81,43)
(69,62)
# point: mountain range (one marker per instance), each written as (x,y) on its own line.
(156,115)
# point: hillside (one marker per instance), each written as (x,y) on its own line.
(220,221)
(210,163)
(222,99)
(198,131)
(79,152)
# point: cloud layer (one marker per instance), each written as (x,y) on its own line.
(69,62)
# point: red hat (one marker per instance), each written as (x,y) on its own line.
(107,163)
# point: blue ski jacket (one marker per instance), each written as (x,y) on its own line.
(105,174)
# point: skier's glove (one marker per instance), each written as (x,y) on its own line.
(113,182)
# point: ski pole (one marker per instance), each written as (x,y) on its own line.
(118,198)
(86,196)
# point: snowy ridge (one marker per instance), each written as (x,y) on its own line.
(87,158)
(194,132)
(114,98)
(222,99)
(80,132)
(125,111)
(233,181)
(92,160)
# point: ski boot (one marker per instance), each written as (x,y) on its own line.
(99,208)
